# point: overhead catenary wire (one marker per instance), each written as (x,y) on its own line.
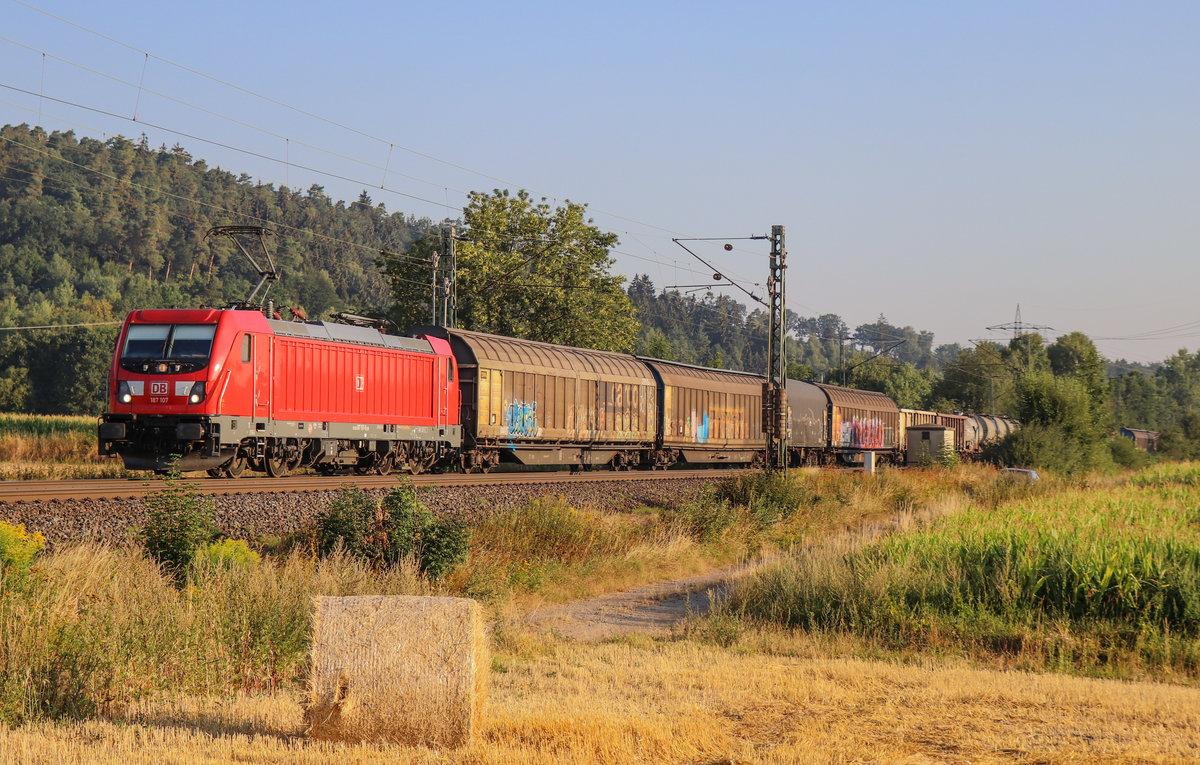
(334,123)
(275,159)
(391,144)
(209,205)
(146,56)
(58,326)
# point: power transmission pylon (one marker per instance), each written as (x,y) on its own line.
(1019,329)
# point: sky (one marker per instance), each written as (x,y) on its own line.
(936,163)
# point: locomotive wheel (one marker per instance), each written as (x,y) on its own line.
(215,472)
(276,462)
(385,464)
(235,467)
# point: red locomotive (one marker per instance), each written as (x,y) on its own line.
(223,390)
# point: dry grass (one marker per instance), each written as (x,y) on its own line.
(50,447)
(643,701)
(106,467)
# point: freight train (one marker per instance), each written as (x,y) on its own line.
(230,390)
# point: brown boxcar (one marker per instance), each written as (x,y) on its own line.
(861,421)
(708,415)
(542,404)
(1146,440)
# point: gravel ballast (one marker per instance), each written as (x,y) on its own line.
(252,516)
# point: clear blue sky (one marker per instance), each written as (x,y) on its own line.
(938,163)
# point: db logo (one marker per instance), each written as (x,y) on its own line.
(158,389)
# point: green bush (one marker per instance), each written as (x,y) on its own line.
(397,529)
(405,519)
(437,545)
(179,520)
(445,546)
(706,518)
(229,553)
(768,496)
(18,548)
(348,521)
(1050,447)
(1126,455)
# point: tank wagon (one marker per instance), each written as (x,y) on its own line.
(222,390)
(984,429)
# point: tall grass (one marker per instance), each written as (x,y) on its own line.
(93,628)
(1120,566)
(52,447)
(47,438)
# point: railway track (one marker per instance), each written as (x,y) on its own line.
(84,489)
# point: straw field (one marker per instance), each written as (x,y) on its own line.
(680,702)
(104,658)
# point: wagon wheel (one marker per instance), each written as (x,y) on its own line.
(276,462)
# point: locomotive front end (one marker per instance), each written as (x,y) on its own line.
(160,396)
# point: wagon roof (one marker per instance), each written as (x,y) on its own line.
(859,399)
(721,380)
(529,355)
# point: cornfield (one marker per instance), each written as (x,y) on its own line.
(1123,562)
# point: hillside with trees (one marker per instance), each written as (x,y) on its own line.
(91,229)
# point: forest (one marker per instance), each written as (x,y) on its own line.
(91,229)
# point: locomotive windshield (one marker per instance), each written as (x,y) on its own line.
(185,347)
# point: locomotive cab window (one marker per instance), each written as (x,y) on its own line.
(449,370)
(146,341)
(167,347)
(246,340)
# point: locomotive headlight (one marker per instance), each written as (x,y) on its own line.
(124,395)
(197,394)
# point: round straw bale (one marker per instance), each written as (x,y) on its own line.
(400,669)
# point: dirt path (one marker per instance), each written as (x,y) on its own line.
(654,609)
(657,609)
